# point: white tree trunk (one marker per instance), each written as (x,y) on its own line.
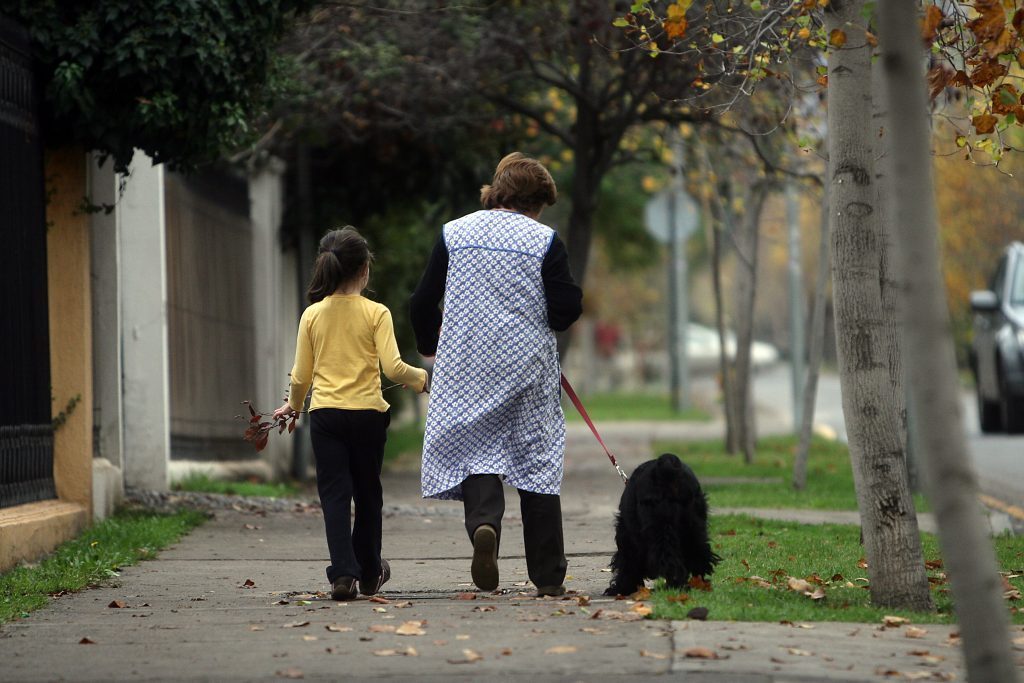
(816,325)
(949,473)
(892,544)
(746,248)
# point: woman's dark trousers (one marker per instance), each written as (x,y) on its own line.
(484,502)
(349,450)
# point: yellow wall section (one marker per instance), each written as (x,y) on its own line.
(28,531)
(67,252)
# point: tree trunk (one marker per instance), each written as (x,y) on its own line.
(817,329)
(714,216)
(949,474)
(746,247)
(892,543)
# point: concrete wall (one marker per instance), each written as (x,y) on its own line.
(143,273)
(67,245)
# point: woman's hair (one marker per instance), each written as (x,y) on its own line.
(340,260)
(520,183)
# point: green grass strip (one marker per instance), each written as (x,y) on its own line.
(751,582)
(618,407)
(97,554)
(403,440)
(829,474)
(201,483)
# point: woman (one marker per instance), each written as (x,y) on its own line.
(494,413)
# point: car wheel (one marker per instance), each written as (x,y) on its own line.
(1012,411)
(990,417)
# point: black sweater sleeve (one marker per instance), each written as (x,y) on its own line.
(425,302)
(565,298)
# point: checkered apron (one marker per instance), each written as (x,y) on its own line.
(494,400)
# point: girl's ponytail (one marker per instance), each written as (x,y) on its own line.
(343,254)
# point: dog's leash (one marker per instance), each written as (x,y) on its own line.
(586,418)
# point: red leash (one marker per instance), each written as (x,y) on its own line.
(586,418)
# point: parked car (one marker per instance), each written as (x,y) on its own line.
(997,350)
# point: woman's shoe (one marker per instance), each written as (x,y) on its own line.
(343,588)
(485,558)
(373,587)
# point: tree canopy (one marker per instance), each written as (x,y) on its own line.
(179,80)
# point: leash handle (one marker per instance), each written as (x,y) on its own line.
(586,418)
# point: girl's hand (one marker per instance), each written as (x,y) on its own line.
(285,411)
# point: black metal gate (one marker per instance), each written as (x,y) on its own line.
(26,431)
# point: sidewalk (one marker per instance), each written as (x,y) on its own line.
(190,615)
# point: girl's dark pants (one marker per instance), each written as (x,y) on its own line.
(349,450)
(484,502)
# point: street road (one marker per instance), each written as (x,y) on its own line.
(998,459)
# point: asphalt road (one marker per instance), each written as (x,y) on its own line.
(998,459)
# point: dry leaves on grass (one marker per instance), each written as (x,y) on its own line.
(468,657)
(805,587)
(891,620)
(560,650)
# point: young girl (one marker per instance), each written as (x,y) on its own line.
(343,341)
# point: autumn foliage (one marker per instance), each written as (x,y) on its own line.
(259,429)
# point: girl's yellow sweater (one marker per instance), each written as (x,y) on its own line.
(343,342)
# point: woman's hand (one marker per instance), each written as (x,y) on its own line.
(285,411)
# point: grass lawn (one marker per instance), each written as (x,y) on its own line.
(96,555)
(202,483)
(616,406)
(826,555)
(829,475)
(403,440)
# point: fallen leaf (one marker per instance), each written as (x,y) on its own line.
(407,652)
(817,594)
(698,613)
(560,650)
(461,636)
(303,603)
(87,641)
(310,638)
(379,600)
(382,628)
(290,673)
(506,651)
(402,605)
(798,585)
(466,596)
(700,653)
(653,655)
(256,627)
(890,620)
(798,652)
(249,583)
(469,656)
(117,604)
(642,594)
(411,628)
(337,628)
(296,624)
(280,602)
(862,563)
(915,632)
(485,608)
(593,631)
(641,609)
(700,583)
(583,600)
(380,610)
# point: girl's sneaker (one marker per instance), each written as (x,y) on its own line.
(343,588)
(373,587)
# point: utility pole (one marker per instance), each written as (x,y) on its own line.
(796,306)
(679,309)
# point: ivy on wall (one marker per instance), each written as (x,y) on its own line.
(178,79)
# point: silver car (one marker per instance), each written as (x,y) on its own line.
(997,350)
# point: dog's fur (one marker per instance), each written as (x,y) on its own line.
(662,528)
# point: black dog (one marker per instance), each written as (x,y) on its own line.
(662,528)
